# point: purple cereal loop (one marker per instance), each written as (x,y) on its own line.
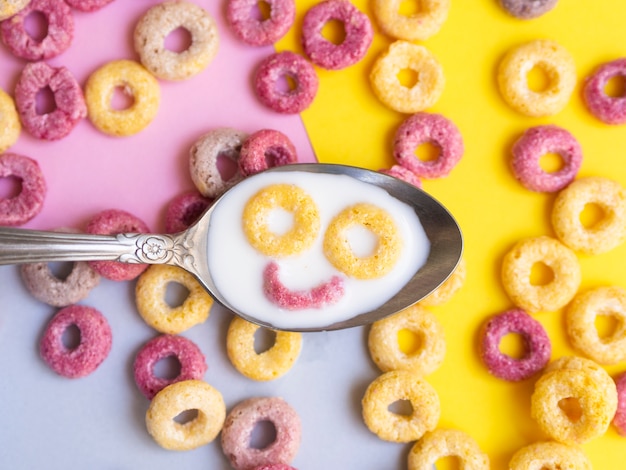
(286,64)
(619,420)
(192,363)
(184,210)
(608,109)
(265,149)
(59,37)
(92,350)
(536,342)
(527,9)
(403,173)
(326,293)
(28,203)
(241,421)
(88,5)
(358,34)
(538,141)
(69,101)
(430,128)
(256,32)
(110,222)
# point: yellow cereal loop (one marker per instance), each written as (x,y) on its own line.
(137,83)
(292,199)
(153,307)
(588,366)
(384,345)
(516,274)
(339,252)
(442,443)
(549,455)
(415,27)
(267,365)
(554,61)
(446,291)
(10,125)
(183,396)
(580,321)
(394,386)
(8,8)
(403,55)
(606,233)
(572,406)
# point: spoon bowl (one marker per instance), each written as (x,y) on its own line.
(189,249)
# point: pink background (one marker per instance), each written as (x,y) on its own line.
(89,171)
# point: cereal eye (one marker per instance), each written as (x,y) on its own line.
(264,218)
(341,250)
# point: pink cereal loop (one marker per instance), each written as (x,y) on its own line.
(608,109)
(536,341)
(192,363)
(358,34)
(265,149)
(326,293)
(619,421)
(59,34)
(403,173)
(184,210)
(111,222)
(88,5)
(70,107)
(28,203)
(94,344)
(259,32)
(537,142)
(274,466)
(421,128)
(281,65)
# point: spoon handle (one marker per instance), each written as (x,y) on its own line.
(32,246)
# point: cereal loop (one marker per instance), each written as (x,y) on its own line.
(404,174)
(260,32)
(93,346)
(442,443)
(435,129)
(516,274)
(158,22)
(262,366)
(286,64)
(598,374)
(59,31)
(46,287)
(549,455)
(415,27)
(111,222)
(177,398)
(527,9)
(69,101)
(8,8)
(388,247)
(538,141)
(88,5)
(240,423)
(292,199)
(216,146)
(10,126)
(391,387)
(392,93)
(356,26)
(537,346)
(596,403)
(384,345)
(274,466)
(19,209)
(606,233)
(619,421)
(137,83)
(450,286)
(152,306)
(580,320)
(187,354)
(184,210)
(608,109)
(557,64)
(266,148)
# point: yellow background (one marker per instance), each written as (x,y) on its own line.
(347,124)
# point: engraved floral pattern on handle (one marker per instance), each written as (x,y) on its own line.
(157,249)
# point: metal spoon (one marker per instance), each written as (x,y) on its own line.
(188,249)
